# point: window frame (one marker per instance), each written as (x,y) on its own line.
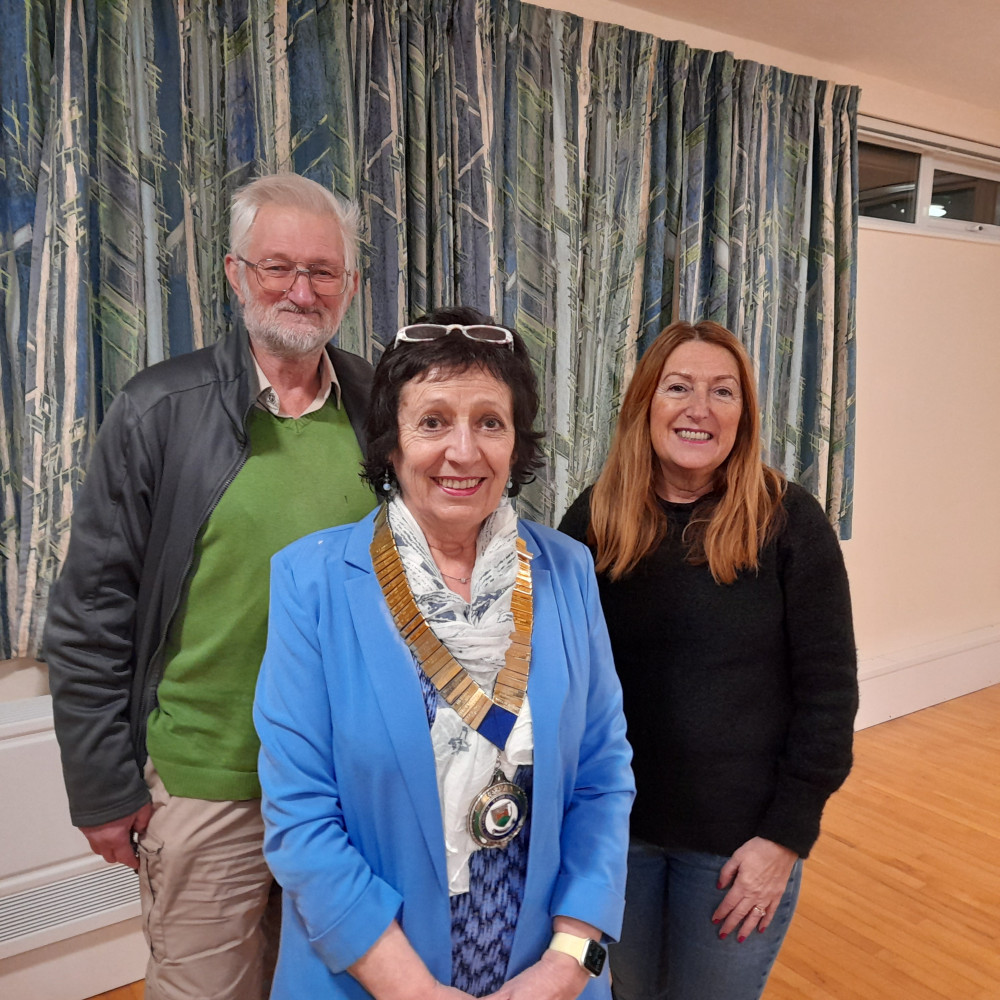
(936,152)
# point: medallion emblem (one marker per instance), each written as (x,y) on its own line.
(498,812)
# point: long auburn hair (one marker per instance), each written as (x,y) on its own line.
(731,524)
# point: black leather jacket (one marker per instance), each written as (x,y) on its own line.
(172,441)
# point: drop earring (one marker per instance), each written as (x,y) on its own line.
(386,482)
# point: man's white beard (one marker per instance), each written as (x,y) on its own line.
(265,326)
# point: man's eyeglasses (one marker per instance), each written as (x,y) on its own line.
(420,333)
(279,275)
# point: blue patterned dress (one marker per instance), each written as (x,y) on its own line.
(483,919)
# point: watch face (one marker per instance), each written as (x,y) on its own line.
(593,960)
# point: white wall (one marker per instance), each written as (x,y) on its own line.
(925,556)
(22,678)
(924,559)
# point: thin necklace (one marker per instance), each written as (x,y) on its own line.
(447,576)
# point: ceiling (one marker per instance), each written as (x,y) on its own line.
(949,49)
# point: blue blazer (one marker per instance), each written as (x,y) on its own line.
(350,802)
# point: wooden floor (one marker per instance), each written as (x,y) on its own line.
(133,992)
(901,896)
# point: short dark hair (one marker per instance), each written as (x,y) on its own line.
(454,354)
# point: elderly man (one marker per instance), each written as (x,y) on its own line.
(205,466)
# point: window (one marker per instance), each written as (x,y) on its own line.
(965,198)
(920,181)
(888,182)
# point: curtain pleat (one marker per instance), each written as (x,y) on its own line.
(61,393)
(26,55)
(585,183)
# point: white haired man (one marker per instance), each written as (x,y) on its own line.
(204,467)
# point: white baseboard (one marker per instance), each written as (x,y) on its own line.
(904,682)
(82,966)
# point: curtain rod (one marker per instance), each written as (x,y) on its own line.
(891,129)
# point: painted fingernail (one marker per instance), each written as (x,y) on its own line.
(760,930)
(741,939)
(722,936)
(717,920)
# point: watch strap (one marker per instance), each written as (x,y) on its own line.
(589,953)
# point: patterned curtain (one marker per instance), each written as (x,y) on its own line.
(583,182)
(767,248)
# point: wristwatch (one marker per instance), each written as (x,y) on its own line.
(586,951)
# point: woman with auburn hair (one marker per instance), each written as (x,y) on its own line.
(727,602)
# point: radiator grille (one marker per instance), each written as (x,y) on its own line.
(26,715)
(71,899)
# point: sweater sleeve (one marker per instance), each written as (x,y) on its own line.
(822,665)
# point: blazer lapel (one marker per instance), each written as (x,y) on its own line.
(390,668)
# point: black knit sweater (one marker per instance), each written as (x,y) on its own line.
(740,698)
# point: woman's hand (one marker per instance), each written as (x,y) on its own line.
(554,976)
(392,970)
(759,873)
(442,992)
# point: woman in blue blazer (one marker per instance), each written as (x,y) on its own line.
(445,773)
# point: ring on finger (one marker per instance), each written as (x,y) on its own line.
(760,911)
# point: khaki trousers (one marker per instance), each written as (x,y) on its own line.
(210,907)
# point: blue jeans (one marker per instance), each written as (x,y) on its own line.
(669,946)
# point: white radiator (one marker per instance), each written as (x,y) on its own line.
(68,921)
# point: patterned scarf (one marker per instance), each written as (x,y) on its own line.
(477,635)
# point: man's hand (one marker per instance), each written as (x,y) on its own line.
(113,841)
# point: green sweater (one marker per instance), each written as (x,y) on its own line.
(301,476)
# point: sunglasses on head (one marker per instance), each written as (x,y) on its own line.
(420,333)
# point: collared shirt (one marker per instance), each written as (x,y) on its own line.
(267,397)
